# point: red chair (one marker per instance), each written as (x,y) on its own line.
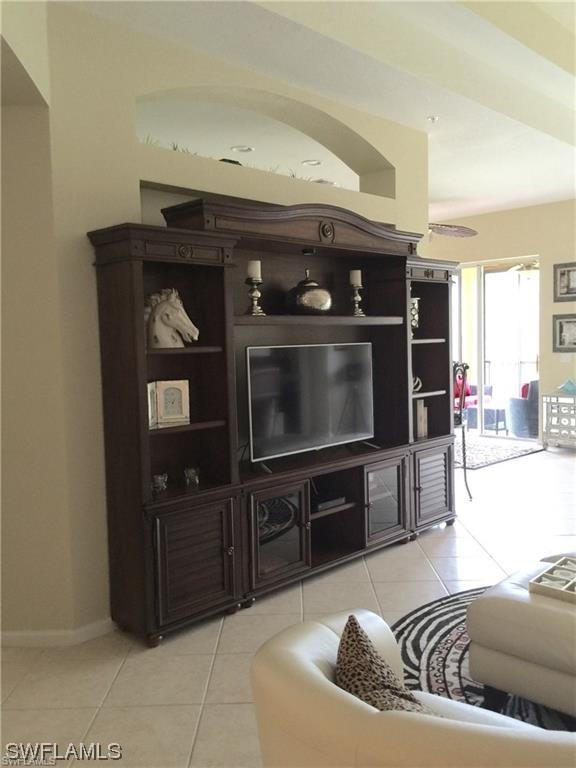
(459,374)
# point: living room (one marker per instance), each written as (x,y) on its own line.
(475,131)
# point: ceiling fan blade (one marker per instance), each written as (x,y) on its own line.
(532,266)
(452,230)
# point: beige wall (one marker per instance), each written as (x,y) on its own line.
(38,586)
(24,26)
(546,231)
(85,173)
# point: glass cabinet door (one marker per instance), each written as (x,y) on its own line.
(386,499)
(280,521)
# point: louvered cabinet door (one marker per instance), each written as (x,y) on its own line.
(195,561)
(433,496)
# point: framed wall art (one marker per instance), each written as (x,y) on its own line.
(565,282)
(564,333)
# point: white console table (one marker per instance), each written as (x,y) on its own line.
(559,419)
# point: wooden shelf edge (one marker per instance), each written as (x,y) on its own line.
(195,426)
(332,510)
(317,320)
(185,351)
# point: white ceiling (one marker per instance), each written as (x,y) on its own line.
(504,96)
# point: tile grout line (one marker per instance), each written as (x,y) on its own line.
(433,568)
(120,668)
(206,687)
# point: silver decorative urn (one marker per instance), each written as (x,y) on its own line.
(308,298)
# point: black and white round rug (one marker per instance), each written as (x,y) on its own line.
(434,644)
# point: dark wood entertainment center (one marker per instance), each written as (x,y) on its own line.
(181,555)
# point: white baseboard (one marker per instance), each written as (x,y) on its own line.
(45,638)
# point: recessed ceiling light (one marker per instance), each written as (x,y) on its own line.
(432,118)
(311,162)
(242,148)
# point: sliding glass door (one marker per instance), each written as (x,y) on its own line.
(500,338)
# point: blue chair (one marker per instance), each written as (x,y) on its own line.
(523,413)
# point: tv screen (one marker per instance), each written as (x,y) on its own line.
(303,398)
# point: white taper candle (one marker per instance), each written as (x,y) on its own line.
(254,270)
(356,277)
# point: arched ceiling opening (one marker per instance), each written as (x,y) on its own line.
(283,133)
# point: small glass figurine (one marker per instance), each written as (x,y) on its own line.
(191,477)
(160,482)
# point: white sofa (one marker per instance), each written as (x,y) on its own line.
(304,719)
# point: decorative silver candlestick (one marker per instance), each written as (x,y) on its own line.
(356,299)
(255,309)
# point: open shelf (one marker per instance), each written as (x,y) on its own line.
(185,351)
(292,320)
(188,427)
(337,535)
(428,341)
(330,555)
(434,393)
(332,510)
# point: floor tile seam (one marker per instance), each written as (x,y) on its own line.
(479,543)
(206,687)
(22,680)
(111,707)
(84,738)
(51,709)
(107,694)
(463,557)
(195,736)
(228,703)
(246,612)
(378,603)
(142,705)
(219,637)
(407,581)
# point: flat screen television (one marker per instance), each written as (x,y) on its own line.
(303,398)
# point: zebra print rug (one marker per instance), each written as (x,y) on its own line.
(434,644)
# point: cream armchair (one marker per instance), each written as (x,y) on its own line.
(304,719)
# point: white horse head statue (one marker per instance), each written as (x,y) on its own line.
(167,322)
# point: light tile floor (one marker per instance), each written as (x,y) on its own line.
(188,702)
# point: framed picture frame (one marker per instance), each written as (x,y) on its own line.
(168,403)
(565,281)
(564,333)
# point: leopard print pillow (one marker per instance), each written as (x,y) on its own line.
(361,671)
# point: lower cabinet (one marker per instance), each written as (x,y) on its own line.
(433,491)
(386,499)
(280,533)
(195,560)
(210,558)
